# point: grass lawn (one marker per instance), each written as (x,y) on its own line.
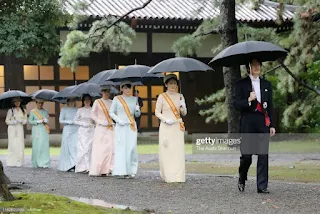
(46,203)
(303,171)
(275,147)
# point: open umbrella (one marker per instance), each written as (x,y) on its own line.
(64,93)
(179,64)
(90,88)
(6,98)
(241,53)
(45,94)
(133,72)
(137,83)
(101,77)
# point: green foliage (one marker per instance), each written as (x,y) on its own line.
(106,34)
(188,45)
(299,107)
(28,30)
(218,112)
(100,37)
(47,203)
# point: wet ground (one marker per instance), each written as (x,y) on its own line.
(200,193)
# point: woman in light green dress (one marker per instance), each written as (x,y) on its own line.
(40,136)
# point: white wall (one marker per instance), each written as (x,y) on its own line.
(162,43)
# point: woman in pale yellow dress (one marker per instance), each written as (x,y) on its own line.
(170,105)
(16,119)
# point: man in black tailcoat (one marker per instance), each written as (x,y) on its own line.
(253,97)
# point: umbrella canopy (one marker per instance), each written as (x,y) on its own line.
(45,94)
(64,93)
(90,88)
(6,98)
(132,72)
(241,53)
(180,64)
(101,77)
(138,83)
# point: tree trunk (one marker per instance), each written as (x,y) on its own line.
(229,37)
(5,194)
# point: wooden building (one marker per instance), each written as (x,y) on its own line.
(158,26)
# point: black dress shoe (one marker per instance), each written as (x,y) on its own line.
(265,191)
(241,185)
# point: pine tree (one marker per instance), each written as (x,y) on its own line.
(298,105)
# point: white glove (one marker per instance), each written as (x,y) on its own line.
(70,122)
(122,123)
(14,122)
(137,108)
(39,121)
(165,143)
(104,123)
(45,120)
(169,122)
(182,104)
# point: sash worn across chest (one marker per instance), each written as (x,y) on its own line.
(39,116)
(174,110)
(260,109)
(106,113)
(126,109)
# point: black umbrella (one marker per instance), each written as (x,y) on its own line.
(101,77)
(132,72)
(241,53)
(137,83)
(45,94)
(180,64)
(6,98)
(90,88)
(64,93)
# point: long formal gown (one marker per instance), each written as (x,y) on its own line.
(40,140)
(68,154)
(171,140)
(85,138)
(102,155)
(125,138)
(15,120)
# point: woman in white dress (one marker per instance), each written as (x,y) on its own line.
(170,105)
(68,154)
(85,134)
(16,119)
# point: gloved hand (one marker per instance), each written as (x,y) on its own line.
(39,121)
(137,108)
(165,143)
(169,122)
(105,123)
(14,122)
(70,122)
(182,104)
(122,123)
(45,120)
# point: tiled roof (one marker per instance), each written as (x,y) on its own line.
(181,9)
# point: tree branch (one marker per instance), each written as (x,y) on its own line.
(120,18)
(301,82)
(272,69)
(207,33)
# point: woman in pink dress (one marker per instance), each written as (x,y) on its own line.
(103,146)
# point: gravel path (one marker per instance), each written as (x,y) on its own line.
(200,194)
